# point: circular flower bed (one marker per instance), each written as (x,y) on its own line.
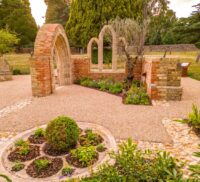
(59,150)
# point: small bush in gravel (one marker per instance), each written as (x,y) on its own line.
(67,171)
(24,150)
(42,164)
(62,133)
(84,156)
(18,167)
(40,132)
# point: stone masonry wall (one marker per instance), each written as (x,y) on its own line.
(82,69)
(163,79)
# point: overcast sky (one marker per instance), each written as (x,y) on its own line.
(183,8)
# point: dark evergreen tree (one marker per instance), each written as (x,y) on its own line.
(16,16)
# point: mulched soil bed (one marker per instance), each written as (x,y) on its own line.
(52,152)
(54,167)
(14,156)
(78,164)
(36,140)
(84,140)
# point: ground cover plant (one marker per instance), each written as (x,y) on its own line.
(62,140)
(136,94)
(132,164)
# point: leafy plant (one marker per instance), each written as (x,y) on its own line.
(5,177)
(42,164)
(16,72)
(18,167)
(67,171)
(20,143)
(84,155)
(90,138)
(24,150)
(132,164)
(40,132)
(194,117)
(137,95)
(101,148)
(62,133)
(115,88)
(88,82)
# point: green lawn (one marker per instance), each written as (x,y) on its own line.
(19,62)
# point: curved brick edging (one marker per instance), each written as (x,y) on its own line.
(23,177)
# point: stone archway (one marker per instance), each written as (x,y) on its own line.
(51,39)
(114,47)
(89,47)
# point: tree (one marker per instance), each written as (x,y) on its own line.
(88,17)
(186,30)
(57,11)
(7,41)
(16,15)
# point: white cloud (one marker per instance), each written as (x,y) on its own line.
(183,8)
(38,8)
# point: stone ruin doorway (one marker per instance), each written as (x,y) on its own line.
(51,47)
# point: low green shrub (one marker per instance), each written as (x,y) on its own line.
(115,88)
(90,138)
(137,95)
(67,171)
(24,150)
(135,165)
(101,148)
(16,72)
(62,133)
(20,143)
(40,132)
(84,155)
(194,117)
(42,164)
(18,167)
(88,82)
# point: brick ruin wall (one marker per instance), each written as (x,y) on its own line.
(163,79)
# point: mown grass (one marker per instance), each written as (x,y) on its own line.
(19,62)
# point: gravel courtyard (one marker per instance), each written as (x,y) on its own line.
(84,104)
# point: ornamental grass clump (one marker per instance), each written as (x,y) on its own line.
(194,117)
(62,133)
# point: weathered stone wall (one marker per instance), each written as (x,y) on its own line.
(5,70)
(163,79)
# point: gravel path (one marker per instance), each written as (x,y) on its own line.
(84,104)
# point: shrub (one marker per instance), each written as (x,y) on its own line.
(133,164)
(24,150)
(20,143)
(101,148)
(90,139)
(18,167)
(88,82)
(62,133)
(42,164)
(138,96)
(16,72)
(40,132)
(67,171)
(194,117)
(5,177)
(115,88)
(84,155)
